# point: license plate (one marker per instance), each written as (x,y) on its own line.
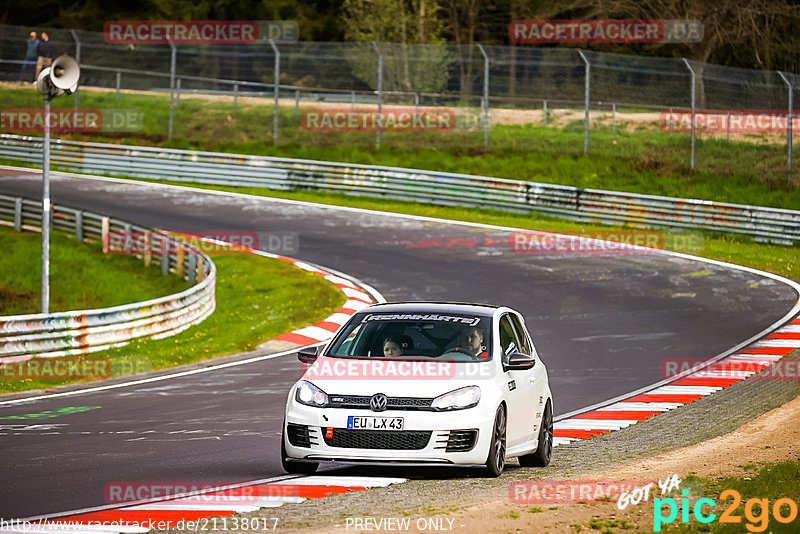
(374,423)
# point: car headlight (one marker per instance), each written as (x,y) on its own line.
(310,395)
(459,399)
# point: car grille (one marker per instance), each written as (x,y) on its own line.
(459,441)
(359,402)
(301,435)
(372,439)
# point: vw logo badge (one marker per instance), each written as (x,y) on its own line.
(378,402)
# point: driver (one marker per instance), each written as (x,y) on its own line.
(471,340)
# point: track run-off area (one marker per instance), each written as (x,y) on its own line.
(603,323)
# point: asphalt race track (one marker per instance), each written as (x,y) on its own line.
(601,322)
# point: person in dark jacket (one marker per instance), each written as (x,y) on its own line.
(31,54)
(45,52)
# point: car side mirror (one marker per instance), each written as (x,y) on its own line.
(519,361)
(307,354)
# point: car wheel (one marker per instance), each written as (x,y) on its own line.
(497,450)
(295,468)
(541,457)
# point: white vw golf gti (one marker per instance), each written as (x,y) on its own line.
(422,384)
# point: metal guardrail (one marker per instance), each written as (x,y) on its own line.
(76,332)
(586,205)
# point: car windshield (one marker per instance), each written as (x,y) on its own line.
(455,337)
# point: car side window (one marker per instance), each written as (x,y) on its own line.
(524,342)
(508,339)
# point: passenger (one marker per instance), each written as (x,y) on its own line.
(394,346)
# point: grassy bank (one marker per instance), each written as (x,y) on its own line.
(642,159)
(78,280)
(257,299)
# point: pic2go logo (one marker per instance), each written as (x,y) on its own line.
(756,511)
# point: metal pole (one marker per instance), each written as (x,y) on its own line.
(235,94)
(45,296)
(296,101)
(544,109)
(694,110)
(613,117)
(789,125)
(485,97)
(119,80)
(78,60)
(277,90)
(380,93)
(174,54)
(586,97)
(178,91)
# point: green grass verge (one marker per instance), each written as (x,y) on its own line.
(257,299)
(78,281)
(646,160)
(765,486)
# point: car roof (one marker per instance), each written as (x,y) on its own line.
(485,310)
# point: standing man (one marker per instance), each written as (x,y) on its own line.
(45,52)
(31,53)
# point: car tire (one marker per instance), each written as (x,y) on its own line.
(295,468)
(496,461)
(544,452)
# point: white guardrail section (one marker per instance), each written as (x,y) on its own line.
(609,207)
(76,332)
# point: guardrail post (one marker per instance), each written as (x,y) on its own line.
(147,249)
(277,90)
(79,226)
(173,59)
(18,214)
(694,110)
(126,238)
(235,94)
(485,97)
(587,72)
(788,126)
(544,110)
(78,60)
(192,274)
(380,94)
(179,260)
(119,82)
(165,246)
(178,91)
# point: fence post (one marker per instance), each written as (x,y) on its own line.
(165,246)
(613,117)
(173,58)
(18,214)
(119,81)
(485,97)
(380,94)
(178,91)
(586,104)
(78,59)
(694,110)
(788,125)
(544,109)
(79,226)
(276,90)
(296,102)
(235,94)
(148,248)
